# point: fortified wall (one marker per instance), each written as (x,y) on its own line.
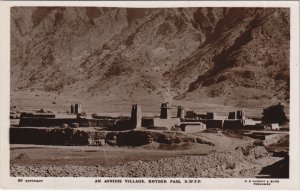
(74,118)
(77,118)
(165,119)
(235,120)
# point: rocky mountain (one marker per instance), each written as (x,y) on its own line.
(232,56)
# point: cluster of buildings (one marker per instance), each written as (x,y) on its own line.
(180,122)
(165,121)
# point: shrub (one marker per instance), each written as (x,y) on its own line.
(81,115)
(191,114)
(41,111)
(274,114)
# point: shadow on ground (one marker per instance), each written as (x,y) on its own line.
(279,169)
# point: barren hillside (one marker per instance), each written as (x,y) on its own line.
(229,56)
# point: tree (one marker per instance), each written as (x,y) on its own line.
(82,115)
(191,114)
(274,114)
(41,111)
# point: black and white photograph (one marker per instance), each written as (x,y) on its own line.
(150,92)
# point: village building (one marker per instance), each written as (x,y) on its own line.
(192,127)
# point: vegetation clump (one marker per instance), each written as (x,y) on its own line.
(274,114)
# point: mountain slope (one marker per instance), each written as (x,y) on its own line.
(233,56)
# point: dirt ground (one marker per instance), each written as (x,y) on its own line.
(227,158)
(92,156)
(108,155)
(245,161)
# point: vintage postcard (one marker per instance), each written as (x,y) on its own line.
(150,95)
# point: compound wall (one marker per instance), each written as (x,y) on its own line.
(158,122)
(52,122)
(194,128)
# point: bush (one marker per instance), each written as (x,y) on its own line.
(81,115)
(191,114)
(41,111)
(274,114)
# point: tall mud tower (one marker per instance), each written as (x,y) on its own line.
(165,111)
(180,112)
(136,116)
(77,108)
(72,109)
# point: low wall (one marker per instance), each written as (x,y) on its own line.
(233,124)
(213,123)
(158,122)
(257,136)
(124,124)
(254,127)
(48,115)
(48,136)
(193,128)
(147,122)
(52,122)
(95,136)
(168,123)
(220,123)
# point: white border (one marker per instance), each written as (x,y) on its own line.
(207,183)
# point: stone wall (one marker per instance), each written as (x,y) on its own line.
(95,136)
(48,136)
(210,123)
(158,122)
(233,124)
(44,115)
(194,128)
(124,124)
(52,122)
(213,123)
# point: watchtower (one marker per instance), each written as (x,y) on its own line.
(165,111)
(210,115)
(180,112)
(232,115)
(240,114)
(136,116)
(72,109)
(77,108)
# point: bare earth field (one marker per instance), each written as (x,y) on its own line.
(108,155)
(224,159)
(92,156)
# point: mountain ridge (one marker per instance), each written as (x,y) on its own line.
(231,56)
